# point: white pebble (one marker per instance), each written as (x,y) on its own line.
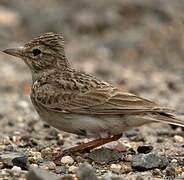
(67,160)
(34,157)
(178,139)
(174,161)
(16,168)
(48,166)
(115,167)
(33,165)
(72,169)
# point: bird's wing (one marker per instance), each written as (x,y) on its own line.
(92,97)
(103,99)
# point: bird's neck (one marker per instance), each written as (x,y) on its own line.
(62,63)
(37,75)
(61,66)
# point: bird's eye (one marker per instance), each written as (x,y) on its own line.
(36,52)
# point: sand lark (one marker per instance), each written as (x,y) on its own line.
(79,103)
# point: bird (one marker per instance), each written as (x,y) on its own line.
(79,103)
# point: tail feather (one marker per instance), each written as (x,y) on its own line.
(167,118)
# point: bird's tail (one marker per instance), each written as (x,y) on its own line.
(168,118)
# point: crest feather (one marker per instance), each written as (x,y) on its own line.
(50,39)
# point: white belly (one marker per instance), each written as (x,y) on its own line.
(93,126)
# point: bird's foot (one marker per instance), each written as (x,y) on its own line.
(85,147)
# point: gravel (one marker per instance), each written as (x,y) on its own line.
(104,155)
(142,162)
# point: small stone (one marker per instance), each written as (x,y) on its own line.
(125,168)
(60,142)
(174,161)
(143,162)
(72,169)
(16,168)
(6,140)
(48,165)
(33,165)
(180,171)
(86,171)
(104,155)
(60,136)
(128,158)
(34,154)
(120,147)
(156,172)
(115,168)
(67,160)
(7,158)
(46,152)
(144,149)
(20,162)
(170,171)
(40,174)
(9,147)
(35,157)
(60,170)
(178,139)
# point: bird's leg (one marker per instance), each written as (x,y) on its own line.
(86,147)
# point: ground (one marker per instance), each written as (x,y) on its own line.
(137,45)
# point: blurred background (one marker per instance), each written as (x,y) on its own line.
(135,44)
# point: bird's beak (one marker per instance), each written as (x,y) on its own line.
(17,52)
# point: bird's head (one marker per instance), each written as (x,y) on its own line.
(41,53)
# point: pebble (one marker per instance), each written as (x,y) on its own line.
(40,174)
(156,172)
(120,147)
(144,149)
(46,152)
(34,154)
(16,168)
(35,157)
(60,136)
(9,147)
(72,169)
(33,165)
(125,168)
(142,162)
(60,170)
(128,158)
(178,139)
(6,140)
(86,171)
(170,171)
(48,165)
(174,161)
(104,155)
(7,158)
(67,160)
(180,171)
(115,168)
(20,162)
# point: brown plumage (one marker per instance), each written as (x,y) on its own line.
(80,103)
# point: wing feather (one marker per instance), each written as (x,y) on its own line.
(103,100)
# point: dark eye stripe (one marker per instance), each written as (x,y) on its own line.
(36,52)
